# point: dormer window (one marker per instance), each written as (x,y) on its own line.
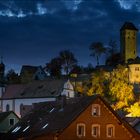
(95,110)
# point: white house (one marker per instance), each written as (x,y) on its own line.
(37,91)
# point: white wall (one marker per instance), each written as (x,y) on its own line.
(15,103)
(68,90)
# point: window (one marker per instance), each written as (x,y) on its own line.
(11,122)
(137,69)
(110,130)
(95,110)
(95,130)
(16,129)
(81,130)
(7,107)
(26,128)
(45,126)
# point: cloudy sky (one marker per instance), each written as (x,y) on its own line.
(34,31)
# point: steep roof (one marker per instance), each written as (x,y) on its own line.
(56,117)
(28,68)
(36,89)
(128,25)
(3,115)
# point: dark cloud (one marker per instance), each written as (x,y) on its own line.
(36,30)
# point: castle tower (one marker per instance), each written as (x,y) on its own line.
(128,41)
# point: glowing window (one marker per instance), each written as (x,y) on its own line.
(45,126)
(26,128)
(16,129)
(95,131)
(52,110)
(95,110)
(81,130)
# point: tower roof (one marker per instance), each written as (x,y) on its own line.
(128,25)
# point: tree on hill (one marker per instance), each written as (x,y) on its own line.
(97,49)
(113,85)
(68,61)
(54,67)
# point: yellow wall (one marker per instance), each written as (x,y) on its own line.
(134,73)
(128,44)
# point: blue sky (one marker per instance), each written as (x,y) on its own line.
(34,31)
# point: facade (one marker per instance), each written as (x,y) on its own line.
(134,71)
(83,118)
(7,121)
(16,96)
(128,41)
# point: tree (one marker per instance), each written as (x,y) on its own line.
(68,61)
(96,85)
(54,67)
(97,49)
(120,89)
(12,77)
(134,109)
(113,85)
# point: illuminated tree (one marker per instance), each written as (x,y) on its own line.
(120,89)
(134,109)
(113,85)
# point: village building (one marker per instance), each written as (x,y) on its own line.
(16,96)
(79,118)
(29,73)
(7,121)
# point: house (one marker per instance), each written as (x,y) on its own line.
(7,121)
(16,96)
(83,118)
(134,70)
(30,73)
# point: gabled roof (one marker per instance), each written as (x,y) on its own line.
(3,115)
(58,119)
(36,89)
(28,68)
(128,25)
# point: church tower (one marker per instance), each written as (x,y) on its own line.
(128,41)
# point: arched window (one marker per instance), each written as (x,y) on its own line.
(7,107)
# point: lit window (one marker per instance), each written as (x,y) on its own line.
(80,130)
(137,69)
(110,130)
(95,110)
(45,126)
(16,129)
(11,122)
(26,128)
(95,130)
(52,110)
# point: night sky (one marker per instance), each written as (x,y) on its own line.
(34,31)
